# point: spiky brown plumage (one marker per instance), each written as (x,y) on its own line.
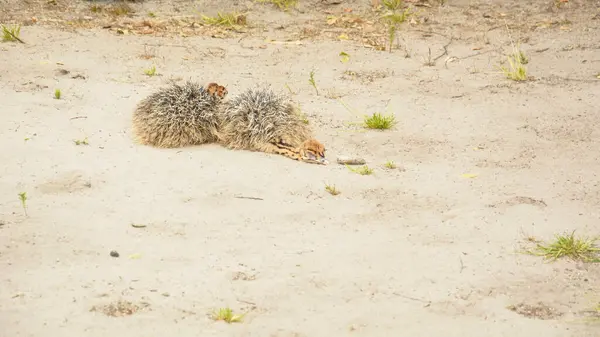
(256,120)
(259,116)
(179,115)
(261,120)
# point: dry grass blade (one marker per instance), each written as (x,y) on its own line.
(231,20)
(331,189)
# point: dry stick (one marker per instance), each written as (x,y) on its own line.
(445,50)
(251,198)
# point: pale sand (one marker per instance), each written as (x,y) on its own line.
(415,251)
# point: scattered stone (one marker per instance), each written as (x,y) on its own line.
(114,253)
(61,71)
(346,160)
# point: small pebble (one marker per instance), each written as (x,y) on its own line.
(114,253)
(346,160)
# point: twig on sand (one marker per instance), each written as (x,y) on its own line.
(251,198)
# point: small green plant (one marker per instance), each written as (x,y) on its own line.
(582,249)
(81,141)
(152,14)
(302,115)
(390,164)
(292,92)
(521,57)
(23,198)
(284,5)
(344,57)
(379,121)
(151,71)
(57,94)
(311,81)
(516,70)
(96,8)
(11,34)
(231,20)
(120,10)
(393,18)
(227,315)
(332,190)
(362,170)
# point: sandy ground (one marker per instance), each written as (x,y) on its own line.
(420,250)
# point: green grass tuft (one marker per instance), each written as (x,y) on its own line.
(379,121)
(390,164)
(284,5)
(569,246)
(151,71)
(230,20)
(362,170)
(11,33)
(227,315)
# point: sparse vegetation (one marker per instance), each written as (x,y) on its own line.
(284,5)
(57,94)
(568,246)
(227,315)
(516,69)
(96,8)
(302,115)
(344,57)
(228,20)
(379,121)
(121,9)
(311,81)
(362,170)
(150,71)
(23,199)
(81,141)
(152,14)
(11,33)
(393,17)
(390,164)
(332,190)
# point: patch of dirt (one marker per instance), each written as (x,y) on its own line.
(120,308)
(520,200)
(535,311)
